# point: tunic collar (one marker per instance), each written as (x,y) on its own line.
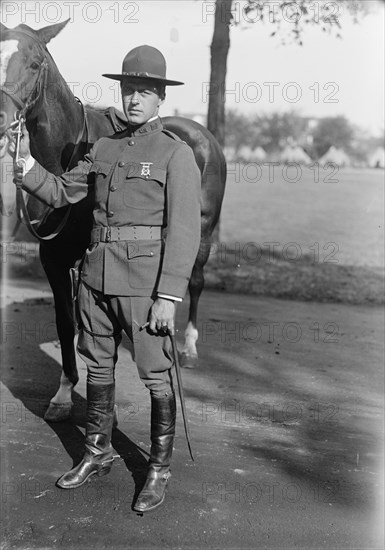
(149,127)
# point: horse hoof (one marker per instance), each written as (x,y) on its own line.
(57,412)
(188,361)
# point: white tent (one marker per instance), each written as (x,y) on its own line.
(245,153)
(259,154)
(229,152)
(295,154)
(336,156)
(377,158)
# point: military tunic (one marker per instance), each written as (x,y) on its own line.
(139,177)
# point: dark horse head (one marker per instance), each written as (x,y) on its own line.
(25,80)
(24,69)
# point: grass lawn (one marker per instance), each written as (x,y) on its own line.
(309,240)
(348,212)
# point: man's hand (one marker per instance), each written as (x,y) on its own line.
(24,150)
(162,315)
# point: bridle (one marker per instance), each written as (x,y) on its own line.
(31,100)
(15,127)
(19,117)
(39,86)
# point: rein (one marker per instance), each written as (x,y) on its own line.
(19,163)
(19,167)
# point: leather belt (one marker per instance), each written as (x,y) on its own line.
(126,233)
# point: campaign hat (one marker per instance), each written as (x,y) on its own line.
(144,62)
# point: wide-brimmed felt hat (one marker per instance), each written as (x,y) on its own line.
(144,62)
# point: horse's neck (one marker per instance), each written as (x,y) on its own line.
(55,123)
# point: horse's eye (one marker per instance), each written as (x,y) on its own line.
(34,66)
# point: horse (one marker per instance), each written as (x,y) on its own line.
(61,132)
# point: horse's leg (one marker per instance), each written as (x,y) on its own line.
(59,279)
(189,356)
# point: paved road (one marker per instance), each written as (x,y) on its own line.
(286,414)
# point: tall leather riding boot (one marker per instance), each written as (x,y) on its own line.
(163,415)
(98,457)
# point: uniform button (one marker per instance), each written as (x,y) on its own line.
(151,253)
(121,163)
(131,143)
(110,213)
(113,188)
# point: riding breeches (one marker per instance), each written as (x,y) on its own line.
(102,319)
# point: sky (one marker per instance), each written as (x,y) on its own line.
(325,77)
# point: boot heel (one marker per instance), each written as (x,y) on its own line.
(105,469)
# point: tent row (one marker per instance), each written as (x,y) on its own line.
(296,154)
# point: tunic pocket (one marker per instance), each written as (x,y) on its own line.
(144,262)
(142,249)
(145,190)
(147,172)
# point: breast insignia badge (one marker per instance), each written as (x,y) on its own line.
(146,169)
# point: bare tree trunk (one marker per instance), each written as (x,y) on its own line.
(217,93)
(220,46)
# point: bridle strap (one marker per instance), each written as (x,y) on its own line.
(20,202)
(22,209)
(19,104)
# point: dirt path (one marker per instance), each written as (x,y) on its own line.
(286,414)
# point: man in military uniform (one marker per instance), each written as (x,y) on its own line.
(144,242)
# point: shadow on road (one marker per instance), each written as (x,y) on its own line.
(32,377)
(307,410)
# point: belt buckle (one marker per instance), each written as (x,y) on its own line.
(108,235)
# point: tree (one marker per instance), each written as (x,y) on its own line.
(274,130)
(219,51)
(335,131)
(240,130)
(299,12)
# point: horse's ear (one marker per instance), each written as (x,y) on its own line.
(3,28)
(47,33)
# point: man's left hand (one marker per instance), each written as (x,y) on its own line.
(162,315)
(24,147)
